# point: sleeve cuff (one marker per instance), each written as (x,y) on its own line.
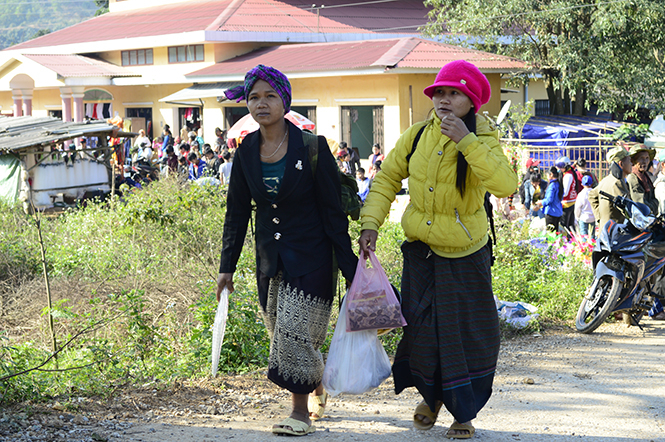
(466,141)
(369,225)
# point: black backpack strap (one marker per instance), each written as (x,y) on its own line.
(312,143)
(415,142)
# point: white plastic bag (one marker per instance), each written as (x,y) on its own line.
(357,361)
(218,328)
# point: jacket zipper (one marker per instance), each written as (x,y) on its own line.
(463,226)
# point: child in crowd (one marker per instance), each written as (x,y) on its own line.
(225,169)
(183,167)
(363,184)
(345,165)
(197,167)
(583,212)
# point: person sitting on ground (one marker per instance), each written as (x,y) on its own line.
(184,150)
(213,162)
(354,160)
(141,139)
(374,157)
(551,204)
(639,183)
(171,160)
(197,167)
(345,164)
(363,184)
(376,168)
(583,211)
(183,167)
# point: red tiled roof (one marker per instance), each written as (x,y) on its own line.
(196,15)
(428,54)
(408,52)
(395,17)
(68,66)
(147,22)
(277,16)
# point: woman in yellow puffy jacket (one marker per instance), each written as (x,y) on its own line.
(450,347)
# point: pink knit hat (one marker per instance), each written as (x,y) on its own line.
(467,78)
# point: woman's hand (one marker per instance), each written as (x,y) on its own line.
(454,128)
(367,242)
(224,280)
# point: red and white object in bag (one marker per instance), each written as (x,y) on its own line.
(372,303)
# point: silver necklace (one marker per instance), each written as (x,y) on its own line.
(280,145)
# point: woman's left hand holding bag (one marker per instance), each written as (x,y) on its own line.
(367,242)
(224,280)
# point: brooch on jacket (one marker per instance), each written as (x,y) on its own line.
(299,165)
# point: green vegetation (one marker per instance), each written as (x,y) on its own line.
(133,287)
(605,53)
(22,20)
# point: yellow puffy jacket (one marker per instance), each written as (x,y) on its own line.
(437,215)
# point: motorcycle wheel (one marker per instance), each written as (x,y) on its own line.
(596,306)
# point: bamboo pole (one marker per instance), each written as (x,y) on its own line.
(42,249)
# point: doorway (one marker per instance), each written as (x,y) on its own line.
(141,119)
(190,118)
(361,127)
(233,114)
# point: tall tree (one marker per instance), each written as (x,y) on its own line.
(607,52)
(103,6)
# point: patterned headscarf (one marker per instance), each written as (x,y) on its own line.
(272,76)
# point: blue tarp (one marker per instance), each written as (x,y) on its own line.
(549,137)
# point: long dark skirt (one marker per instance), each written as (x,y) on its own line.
(296,311)
(450,348)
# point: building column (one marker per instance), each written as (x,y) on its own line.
(66,106)
(78,107)
(27,102)
(18,105)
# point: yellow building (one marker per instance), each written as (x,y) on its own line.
(357,74)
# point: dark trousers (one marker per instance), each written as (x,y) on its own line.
(568,218)
(552,222)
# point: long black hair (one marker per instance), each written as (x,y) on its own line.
(462,166)
(555,176)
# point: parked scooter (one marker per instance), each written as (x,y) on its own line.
(631,255)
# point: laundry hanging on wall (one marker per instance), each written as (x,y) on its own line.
(99,111)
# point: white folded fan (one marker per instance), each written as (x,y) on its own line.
(218,328)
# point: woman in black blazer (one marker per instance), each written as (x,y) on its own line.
(299,223)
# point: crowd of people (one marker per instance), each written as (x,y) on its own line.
(570,199)
(187,156)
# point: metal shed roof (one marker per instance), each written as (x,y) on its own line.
(18,133)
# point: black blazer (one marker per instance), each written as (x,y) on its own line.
(301,225)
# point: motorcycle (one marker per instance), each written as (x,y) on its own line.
(144,172)
(631,255)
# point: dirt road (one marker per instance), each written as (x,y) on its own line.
(608,386)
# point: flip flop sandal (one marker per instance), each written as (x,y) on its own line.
(317,405)
(293,427)
(456,426)
(423,410)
